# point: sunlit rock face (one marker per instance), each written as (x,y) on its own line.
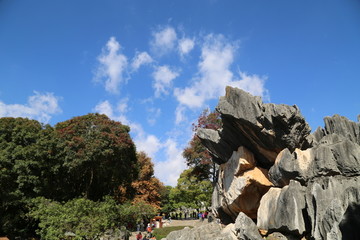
(240,186)
(289,181)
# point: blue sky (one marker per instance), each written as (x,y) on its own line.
(155,65)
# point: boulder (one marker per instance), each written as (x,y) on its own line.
(240,186)
(333,205)
(246,229)
(282,210)
(264,128)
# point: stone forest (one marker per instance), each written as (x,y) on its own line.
(272,178)
(276,179)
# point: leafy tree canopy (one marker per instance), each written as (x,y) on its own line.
(190,192)
(88,156)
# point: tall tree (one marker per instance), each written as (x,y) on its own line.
(190,191)
(21,164)
(196,155)
(98,153)
(147,187)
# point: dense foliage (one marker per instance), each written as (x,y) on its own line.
(190,191)
(98,156)
(84,218)
(85,157)
(147,187)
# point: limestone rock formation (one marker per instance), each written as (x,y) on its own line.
(334,207)
(245,228)
(294,184)
(240,186)
(282,209)
(264,128)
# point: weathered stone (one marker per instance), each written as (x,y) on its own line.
(290,166)
(240,186)
(343,126)
(245,228)
(265,129)
(334,155)
(282,210)
(333,207)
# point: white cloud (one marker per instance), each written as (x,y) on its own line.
(148,143)
(185,46)
(112,65)
(163,77)
(164,40)
(253,84)
(105,108)
(169,170)
(153,115)
(39,107)
(141,59)
(214,74)
(123,106)
(180,114)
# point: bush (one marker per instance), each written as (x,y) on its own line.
(85,218)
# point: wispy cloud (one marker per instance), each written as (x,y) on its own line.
(143,141)
(214,74)
(39,106)
(153,114)
(140,59)
(180,114)
(185,46)
(164,40)
(112,66)
(163,77)
(169,170)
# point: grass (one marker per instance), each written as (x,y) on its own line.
(160,233)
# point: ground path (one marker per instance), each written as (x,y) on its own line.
(193,223)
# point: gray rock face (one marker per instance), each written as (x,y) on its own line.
(265,129)
(317,176)
(334,155)
(281,209)
(246,229)
(343,126)
(333,207)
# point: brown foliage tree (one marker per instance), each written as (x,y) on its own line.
(147,188)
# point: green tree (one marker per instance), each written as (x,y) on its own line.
(85,218)
(99,155)
(88,156)
(21,165)
(190,191)
(166,203)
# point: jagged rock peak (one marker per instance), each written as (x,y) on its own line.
(264,128)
